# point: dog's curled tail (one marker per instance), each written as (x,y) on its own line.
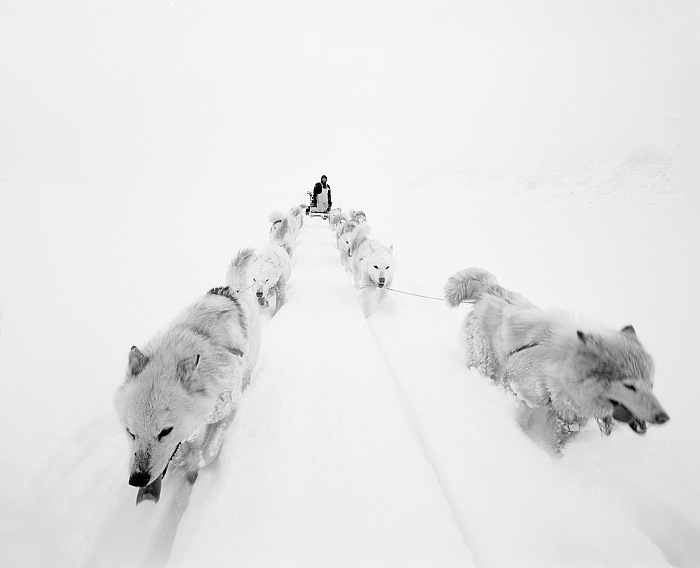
(237,276)
(279,231)
(284,228)
(468,284)
(276,216)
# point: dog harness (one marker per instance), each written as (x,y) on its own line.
(519,349)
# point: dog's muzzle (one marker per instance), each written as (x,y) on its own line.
(139,479)
(623,414)
(382,281)
(142,478)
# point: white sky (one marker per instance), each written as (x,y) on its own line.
(370,93)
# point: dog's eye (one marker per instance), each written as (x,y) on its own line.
(631,387)
(130,434)
(164,432)
(375,266)
(387,268)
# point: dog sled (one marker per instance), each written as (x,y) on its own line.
(319,207)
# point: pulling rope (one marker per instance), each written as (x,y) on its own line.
(387,288)
(306,235)
(417,295)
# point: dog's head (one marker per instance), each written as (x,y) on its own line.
(265,277)
(380,265)
(161,404)
(346,244)
(621,372)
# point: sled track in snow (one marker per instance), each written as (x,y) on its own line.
(399,390)
(322,461)
(413,420)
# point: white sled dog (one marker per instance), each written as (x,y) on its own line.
(345,238)
(337,216)
(563,374)
(183,387)
(358,216)
(296,218)
(281,232)
(373,268)
(270,272)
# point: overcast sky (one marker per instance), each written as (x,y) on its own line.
(371,93)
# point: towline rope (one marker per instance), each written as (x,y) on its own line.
(417,295)
(318,222)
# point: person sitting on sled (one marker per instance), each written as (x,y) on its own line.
(321,197)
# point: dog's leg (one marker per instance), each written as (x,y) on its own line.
(281,293)
(188,459)
(214,439)
(194,456)
(544,427)
(367,296)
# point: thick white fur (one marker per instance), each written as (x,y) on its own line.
(281,233)
(296,218)
(269,272)
(345,239)
(570,372)
(183,386)
(373,268)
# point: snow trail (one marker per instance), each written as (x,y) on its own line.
(321,467)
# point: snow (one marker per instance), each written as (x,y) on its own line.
(141,145)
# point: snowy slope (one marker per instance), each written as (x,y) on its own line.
(368,442)
(322,467)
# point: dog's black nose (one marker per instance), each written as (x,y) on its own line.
(139,479)
(661,418)
(259,294)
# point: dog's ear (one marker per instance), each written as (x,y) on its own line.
(391,248)
(185,372)
(629,330)
(137,361)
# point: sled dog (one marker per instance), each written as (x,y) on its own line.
(562,373)
(281,233)
(373,267)
(270,272)
(358,216)
(183,387)
(275,217)
(296,218)
(337,216)
(343,228)
(345,237)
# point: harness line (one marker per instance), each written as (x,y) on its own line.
(417,295)
(318,222)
